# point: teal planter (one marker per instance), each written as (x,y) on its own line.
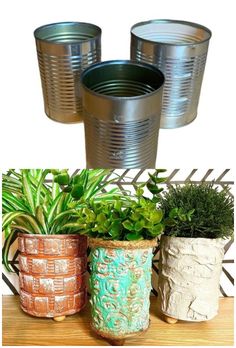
(120,287)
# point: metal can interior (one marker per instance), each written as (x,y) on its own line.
(171,32)
(67,32)
(122,79)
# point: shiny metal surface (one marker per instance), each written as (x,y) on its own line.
(122,108)
(64,51)
(179,50)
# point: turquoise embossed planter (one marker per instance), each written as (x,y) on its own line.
(120,286)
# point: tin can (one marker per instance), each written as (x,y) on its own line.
(189,277)
(52,274)
(122,107)
(179,50)
(120,284)
(64,51)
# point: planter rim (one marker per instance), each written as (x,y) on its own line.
(196,241)
(122,244)
(192,239)
(36,235)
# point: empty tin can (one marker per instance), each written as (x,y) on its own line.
(122,108)
(179,50)
(64,50)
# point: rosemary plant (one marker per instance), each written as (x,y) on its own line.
(198,211)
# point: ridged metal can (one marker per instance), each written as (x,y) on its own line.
(120,284)
(122,108)
(64,50)
(52,274)
(179,50)
(189,277)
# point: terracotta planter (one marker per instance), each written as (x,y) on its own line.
(52,274)
(120,287)
(189,275)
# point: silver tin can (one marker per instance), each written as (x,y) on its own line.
(122,108)
(64,51)
(179,50)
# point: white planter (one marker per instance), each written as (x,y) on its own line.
(189,275)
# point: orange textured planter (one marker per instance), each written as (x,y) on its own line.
(52,274)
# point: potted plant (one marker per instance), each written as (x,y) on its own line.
(122,235)
(53,257)
(198,220)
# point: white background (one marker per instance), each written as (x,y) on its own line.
(29,139)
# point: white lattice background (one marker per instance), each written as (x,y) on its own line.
(126,179)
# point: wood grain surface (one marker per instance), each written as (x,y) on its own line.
(20,329)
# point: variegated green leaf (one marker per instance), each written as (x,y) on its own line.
(54,207)
(9,217)
(55,190)
(68,212)
(93,187)
(40,186)
(15,202)
(41,219)
(27,189)
(20,228)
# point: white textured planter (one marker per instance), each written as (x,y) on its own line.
(189,274)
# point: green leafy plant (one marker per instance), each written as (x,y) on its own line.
(197,211)
(153,184)
(31,205)
(132,219)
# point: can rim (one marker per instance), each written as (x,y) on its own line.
(52,236)
(190,24)
(195,239)
(94,26)
(122,61)
(122,244)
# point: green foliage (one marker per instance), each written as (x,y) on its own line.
(31,205)
(121,220)
(152,184)
(197,211)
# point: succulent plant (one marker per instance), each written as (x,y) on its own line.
(130,219)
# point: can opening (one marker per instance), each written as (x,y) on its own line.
(122,78)
(67,32)
(171,32)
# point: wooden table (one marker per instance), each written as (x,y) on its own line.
(20,329)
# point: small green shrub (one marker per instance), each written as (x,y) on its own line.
(197,211)
(121,220)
